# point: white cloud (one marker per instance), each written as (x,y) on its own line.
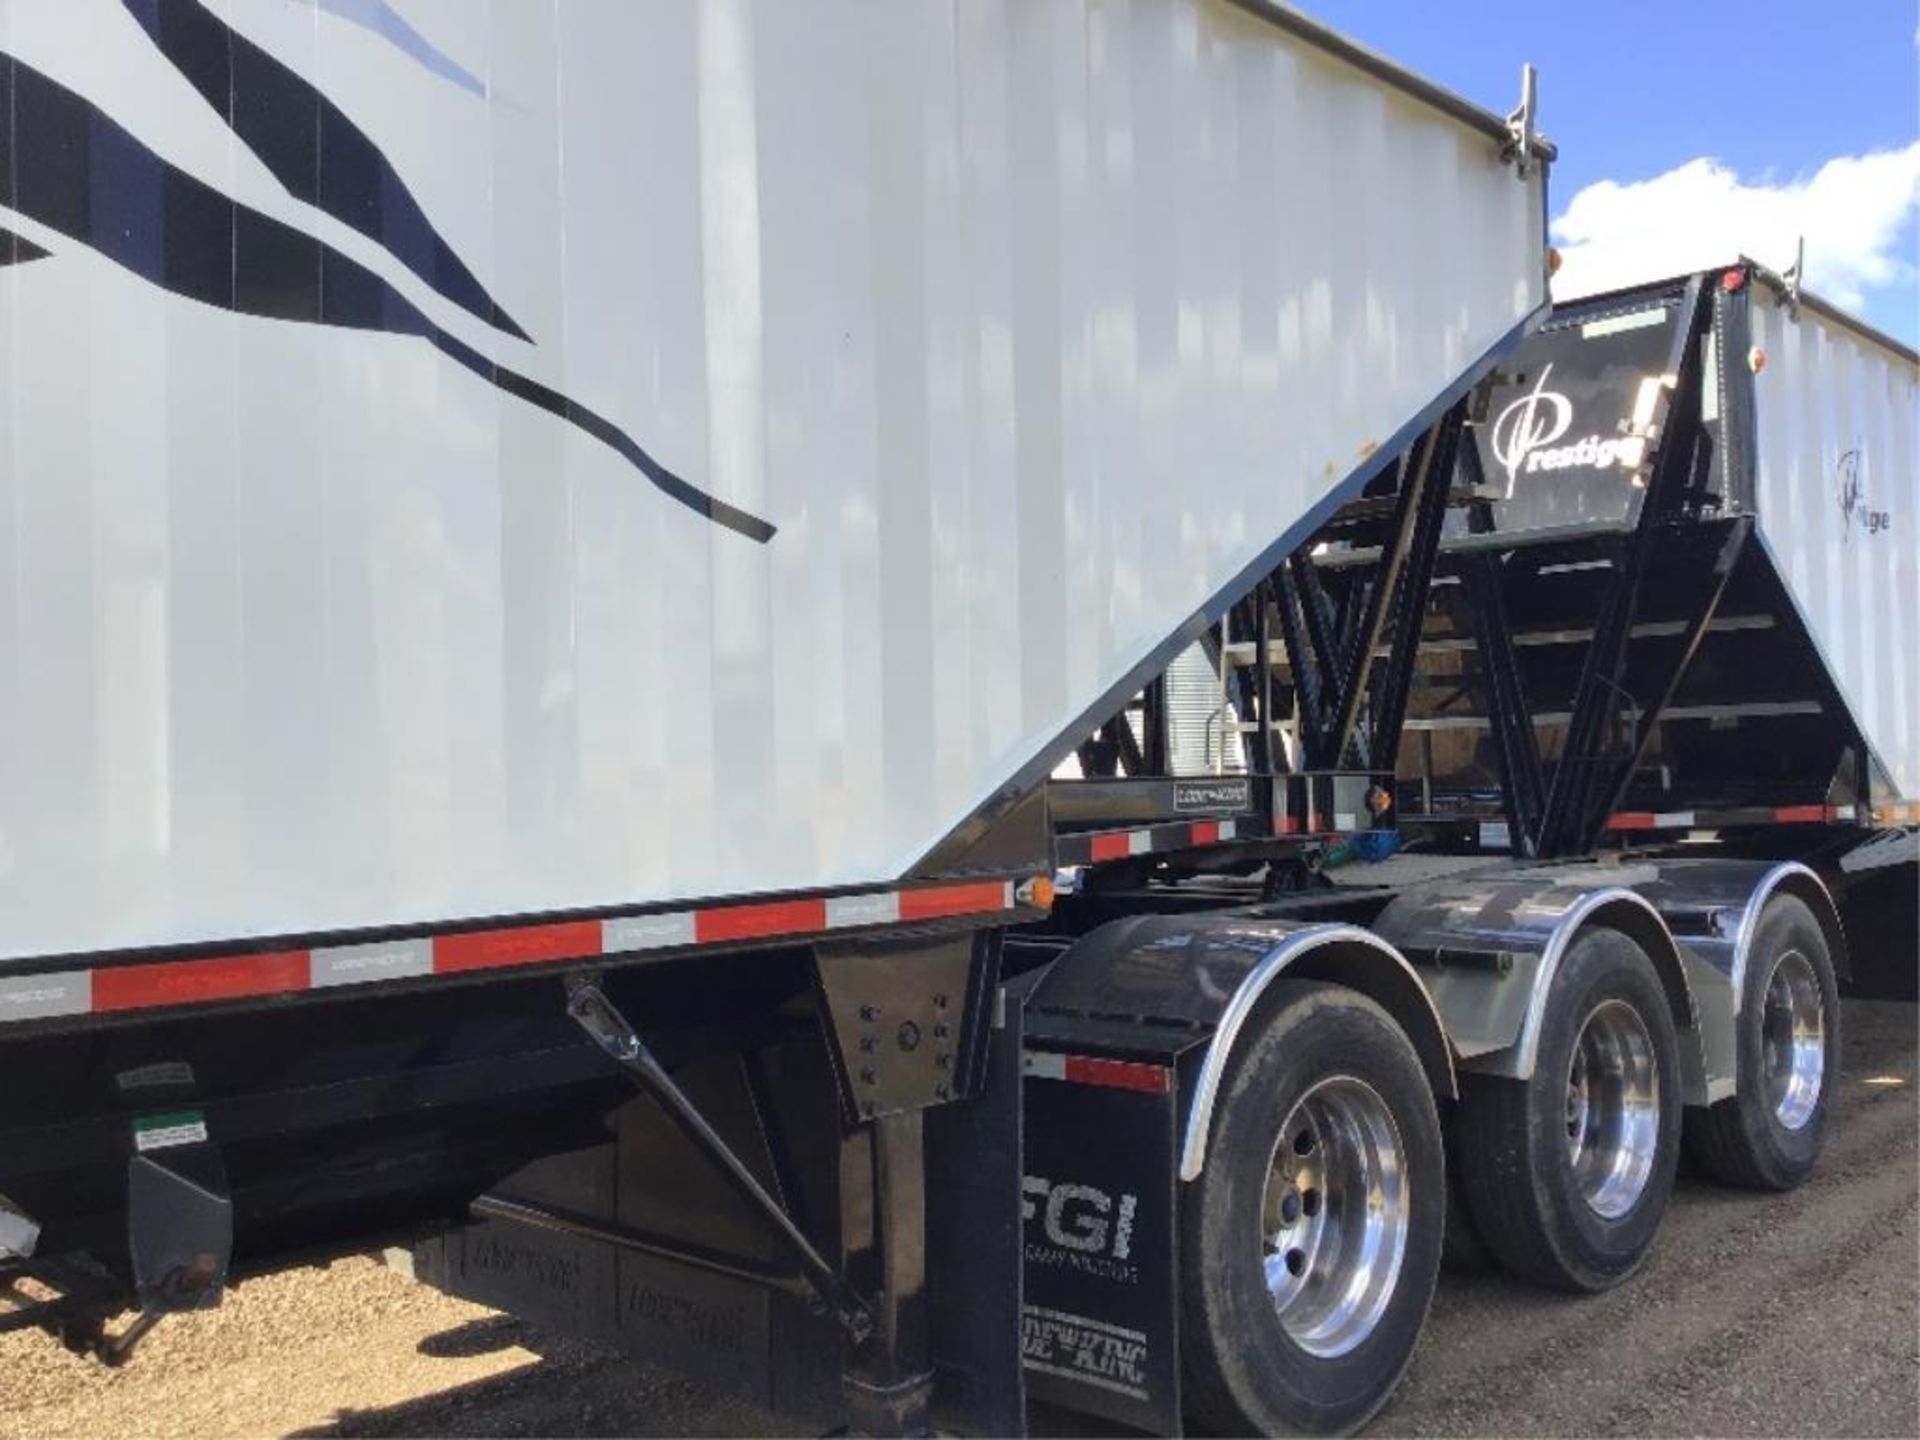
(1855,211)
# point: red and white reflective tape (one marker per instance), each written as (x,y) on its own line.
(1092,849)
(1648,820)
(1314,825)
(1091,1070)
(152,985)
(1630,820)
(1901,812)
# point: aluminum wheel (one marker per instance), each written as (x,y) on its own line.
(1335,1216)
(1793,1041)
(1613,1109)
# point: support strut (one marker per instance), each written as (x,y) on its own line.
(597,1015)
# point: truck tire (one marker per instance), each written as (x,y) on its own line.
(1311,1240)
(1787,1052)
(1568,1174)
(1464,1252)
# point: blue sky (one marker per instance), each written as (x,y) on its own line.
(1633,90)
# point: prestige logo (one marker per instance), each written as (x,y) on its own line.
(1850,492)
(1525,433)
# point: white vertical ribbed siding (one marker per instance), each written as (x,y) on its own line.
(1827,389)
(1029,325)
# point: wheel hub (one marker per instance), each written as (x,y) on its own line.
(1613,1109)
(1793,1041)
(1335,1218)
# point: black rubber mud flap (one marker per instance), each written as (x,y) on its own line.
(1100,1323)
(973,1243)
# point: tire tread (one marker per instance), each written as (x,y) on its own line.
(1495,1178)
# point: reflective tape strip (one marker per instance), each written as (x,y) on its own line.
(1648,820)
(1119,1074)
(157,984)
(1043,1065)
(361,964)
(45,997)
(1805,814)
(951,900)
(646,932)
(1092,1070)
(188,982)
(1625,820)
(1091,849)
(845,910)
(519,945)
(757,922)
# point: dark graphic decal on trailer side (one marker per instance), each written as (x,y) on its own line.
(76,171)
(377,17)
(17,249)
(310,146)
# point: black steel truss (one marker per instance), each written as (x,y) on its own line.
(1333,649)
(1591,760)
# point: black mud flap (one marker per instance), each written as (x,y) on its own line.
(974,1152)
(1100,1323)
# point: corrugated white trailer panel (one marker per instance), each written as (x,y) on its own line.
(1837,496)
(362,374)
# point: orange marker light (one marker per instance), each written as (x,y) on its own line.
(1037,892)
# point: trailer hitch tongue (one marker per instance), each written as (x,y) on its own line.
(612,1032)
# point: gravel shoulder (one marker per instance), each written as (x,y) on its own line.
(1757,1315)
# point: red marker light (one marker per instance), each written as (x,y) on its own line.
(1733,280)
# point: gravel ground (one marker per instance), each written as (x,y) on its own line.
(1783,1315)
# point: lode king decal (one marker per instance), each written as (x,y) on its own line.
(1098,1322)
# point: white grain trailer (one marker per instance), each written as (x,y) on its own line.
(543,518)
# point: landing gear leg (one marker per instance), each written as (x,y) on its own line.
(889,1377)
